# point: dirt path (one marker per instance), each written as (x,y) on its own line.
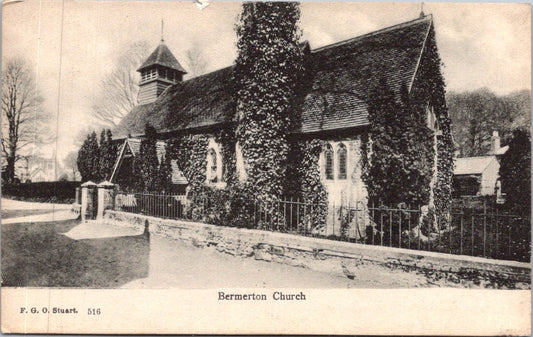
(68,253)
(14,211)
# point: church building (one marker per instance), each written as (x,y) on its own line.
(334,105)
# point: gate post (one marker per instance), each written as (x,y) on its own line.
(88,206)
(78,196)
(106,198)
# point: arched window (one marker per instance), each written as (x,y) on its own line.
(328,162)
(341,157)
(212,168)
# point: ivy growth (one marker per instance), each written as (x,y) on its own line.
(304,181)
(190,153)
(267,65)
(397,152)
(432,86)
(148,162)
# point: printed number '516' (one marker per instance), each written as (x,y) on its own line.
(93,311)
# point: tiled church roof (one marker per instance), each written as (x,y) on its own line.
(341,76)
(164,57)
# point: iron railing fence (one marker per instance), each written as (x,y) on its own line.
(485,232)
(157,205)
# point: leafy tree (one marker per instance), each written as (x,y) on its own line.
(107,154)
(88,159)
(148,163)
(515,172)
(268,63)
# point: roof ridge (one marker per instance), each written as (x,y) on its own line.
(209,73)
(379,31)
(483,156)
(189,80)
(375,32)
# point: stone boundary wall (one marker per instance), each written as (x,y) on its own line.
(328,255)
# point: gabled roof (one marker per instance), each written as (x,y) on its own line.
(134,145)
(502,150)
(472,165)
(340,78)
(162,56)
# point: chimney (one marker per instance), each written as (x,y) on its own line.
(494,142)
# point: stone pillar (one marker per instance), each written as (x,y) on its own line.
(106,198)
(78,196)
(88,207)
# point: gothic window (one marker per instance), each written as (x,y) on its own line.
(212,168)
(341,157)
(328,161)
(432,121)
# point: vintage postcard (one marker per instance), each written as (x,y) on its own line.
(198,167)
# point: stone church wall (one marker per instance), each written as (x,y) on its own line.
(351,191)
(346,194)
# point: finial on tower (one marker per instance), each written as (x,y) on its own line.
(162,26)
(422,10)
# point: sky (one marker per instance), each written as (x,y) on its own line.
(72,45)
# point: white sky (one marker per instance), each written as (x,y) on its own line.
(481,45)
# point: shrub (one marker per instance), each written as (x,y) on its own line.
(56,191)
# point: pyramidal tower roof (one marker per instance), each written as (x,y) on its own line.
(162,56)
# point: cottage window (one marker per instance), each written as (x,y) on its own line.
(341,155)
(328,159)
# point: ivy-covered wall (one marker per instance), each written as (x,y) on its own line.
(304,181)
(406,164)
(266,75)
(430,84)
(190,153)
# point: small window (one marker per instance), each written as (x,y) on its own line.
(432,121)
(212,166)
(341,155)
(328,161)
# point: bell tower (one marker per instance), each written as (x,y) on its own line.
(159,71)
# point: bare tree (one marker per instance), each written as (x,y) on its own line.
(119,89)
(81,135)
(71,164)
(24,122)
(196,62)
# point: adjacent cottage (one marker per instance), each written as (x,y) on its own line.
(479,176)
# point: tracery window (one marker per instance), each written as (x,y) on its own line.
(212,168)
(328,161)
(341,157)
